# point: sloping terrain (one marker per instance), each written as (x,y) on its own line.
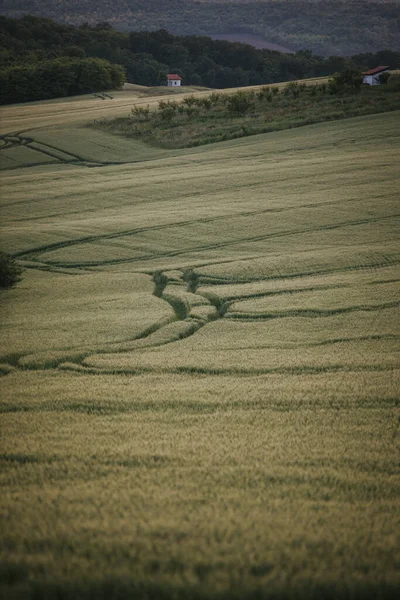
(363,26)
(201,363)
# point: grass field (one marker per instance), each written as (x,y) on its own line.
(201,363)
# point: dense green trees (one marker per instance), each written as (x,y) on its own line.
(348,80)
(58,77)
(326,26)
(43,59)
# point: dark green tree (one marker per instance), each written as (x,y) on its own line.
(347,81)
(240,102)
(10,272)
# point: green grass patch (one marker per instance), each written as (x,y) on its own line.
(219,117)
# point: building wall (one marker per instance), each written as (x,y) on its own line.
(174,83)
(373,79)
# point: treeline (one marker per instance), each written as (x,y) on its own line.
(326,27)
(34,49)
(58,77)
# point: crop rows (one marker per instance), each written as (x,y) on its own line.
(200,366)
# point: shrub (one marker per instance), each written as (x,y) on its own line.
(205,103)
(215,98)
(265,93)
(240,102)
(10,272)
(293,88)
(141,112)
(191,111)
(189,101)
(166,110)
(347,81)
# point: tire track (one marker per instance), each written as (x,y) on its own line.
(31,254)
(235,371)
(48,150)
(266,316)
(218,280)
(276,210)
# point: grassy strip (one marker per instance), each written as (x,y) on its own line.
(220,117)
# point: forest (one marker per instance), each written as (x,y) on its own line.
(44,59)
(324,26)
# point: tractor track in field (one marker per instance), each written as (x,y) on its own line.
(190,325)
(234,371)
(185,324)
(308,312)
(190,280)
(224,217)
(17,140)
(34,253)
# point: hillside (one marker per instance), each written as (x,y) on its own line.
(326,27)
(43,59)
(201,363)
(205,118)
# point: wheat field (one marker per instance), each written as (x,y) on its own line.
(201,363)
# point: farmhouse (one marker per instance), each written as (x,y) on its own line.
(174,80)
(372,77)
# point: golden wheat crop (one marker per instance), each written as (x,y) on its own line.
(201,363)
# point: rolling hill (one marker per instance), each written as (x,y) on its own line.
(201,363)
(327,28)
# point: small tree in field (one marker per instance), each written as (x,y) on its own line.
(347,81)
(240,102)
(141,112)
(10,272)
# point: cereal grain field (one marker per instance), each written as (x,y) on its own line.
(201,363)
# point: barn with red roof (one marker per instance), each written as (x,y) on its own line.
(174,80)
(373,76)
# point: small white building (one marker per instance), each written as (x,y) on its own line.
(174,80)
(372,77)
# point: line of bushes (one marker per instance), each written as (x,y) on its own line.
(220,116)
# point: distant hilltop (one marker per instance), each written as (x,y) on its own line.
(327,27)
(46,59)
(254,40)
